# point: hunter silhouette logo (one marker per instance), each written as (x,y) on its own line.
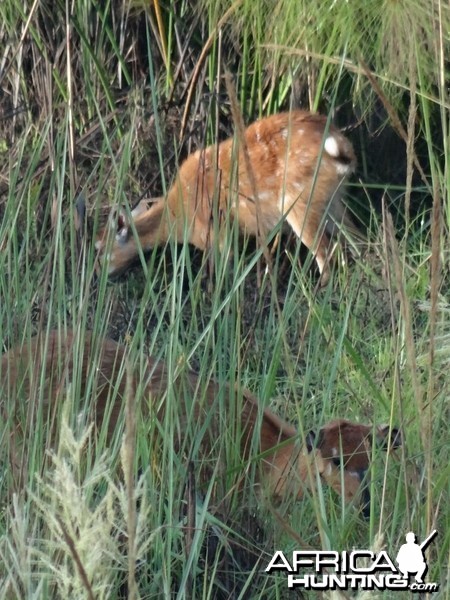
(411,557)
(357,569)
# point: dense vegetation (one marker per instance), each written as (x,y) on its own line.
(103,100)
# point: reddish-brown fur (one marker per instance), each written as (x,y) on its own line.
(295,168)
(340,453)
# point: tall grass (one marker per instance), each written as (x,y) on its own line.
(373,346)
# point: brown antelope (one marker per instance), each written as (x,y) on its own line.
(290,166)
(339,453)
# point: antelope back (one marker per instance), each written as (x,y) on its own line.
(339,453)
(289,166)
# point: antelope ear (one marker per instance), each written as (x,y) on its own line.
(122,221)
(390,437)
(118,222)
(310,440)
(140,208)
(396,438)
(122,234)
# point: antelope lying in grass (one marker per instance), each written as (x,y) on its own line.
(289,166)
(339,453)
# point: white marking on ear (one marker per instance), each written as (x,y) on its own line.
(122,235)
(331,146)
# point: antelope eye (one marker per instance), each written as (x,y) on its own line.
(337,461)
